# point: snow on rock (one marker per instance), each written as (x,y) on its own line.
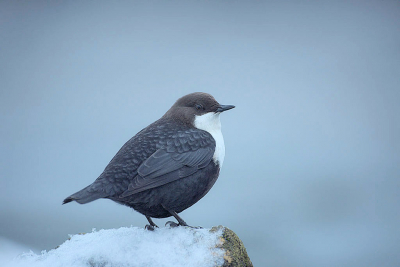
(129,247)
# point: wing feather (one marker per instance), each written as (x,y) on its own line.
(171,163)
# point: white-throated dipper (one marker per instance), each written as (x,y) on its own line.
(169,165)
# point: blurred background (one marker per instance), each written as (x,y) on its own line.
(312,169)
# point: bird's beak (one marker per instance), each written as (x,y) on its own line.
(223,108)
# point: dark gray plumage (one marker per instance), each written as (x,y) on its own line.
(169,165)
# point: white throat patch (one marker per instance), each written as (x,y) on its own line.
(211,123)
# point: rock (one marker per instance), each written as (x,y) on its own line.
(180,246)
(235,252)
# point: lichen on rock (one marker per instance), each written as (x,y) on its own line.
(235,251)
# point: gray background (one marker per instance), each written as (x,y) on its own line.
(312,166)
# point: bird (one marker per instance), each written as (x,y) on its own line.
(167,166)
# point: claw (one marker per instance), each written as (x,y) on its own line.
(149,227)
(171,224)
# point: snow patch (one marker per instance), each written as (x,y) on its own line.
(9,250)
(126,247)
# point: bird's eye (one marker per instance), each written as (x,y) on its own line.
(199,107)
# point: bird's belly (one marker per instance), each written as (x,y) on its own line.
(177,195)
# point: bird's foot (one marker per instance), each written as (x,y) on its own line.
(171,224)
(150,227)
(195,227)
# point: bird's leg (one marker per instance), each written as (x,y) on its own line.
(151,221)
(179,219)
(152,224)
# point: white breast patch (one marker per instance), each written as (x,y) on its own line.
(211,123)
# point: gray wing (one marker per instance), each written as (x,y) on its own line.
(168,164)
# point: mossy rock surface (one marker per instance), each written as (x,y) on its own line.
(235,252)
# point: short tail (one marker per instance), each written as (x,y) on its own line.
(85,196)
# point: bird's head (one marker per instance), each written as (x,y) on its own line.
(200,110)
